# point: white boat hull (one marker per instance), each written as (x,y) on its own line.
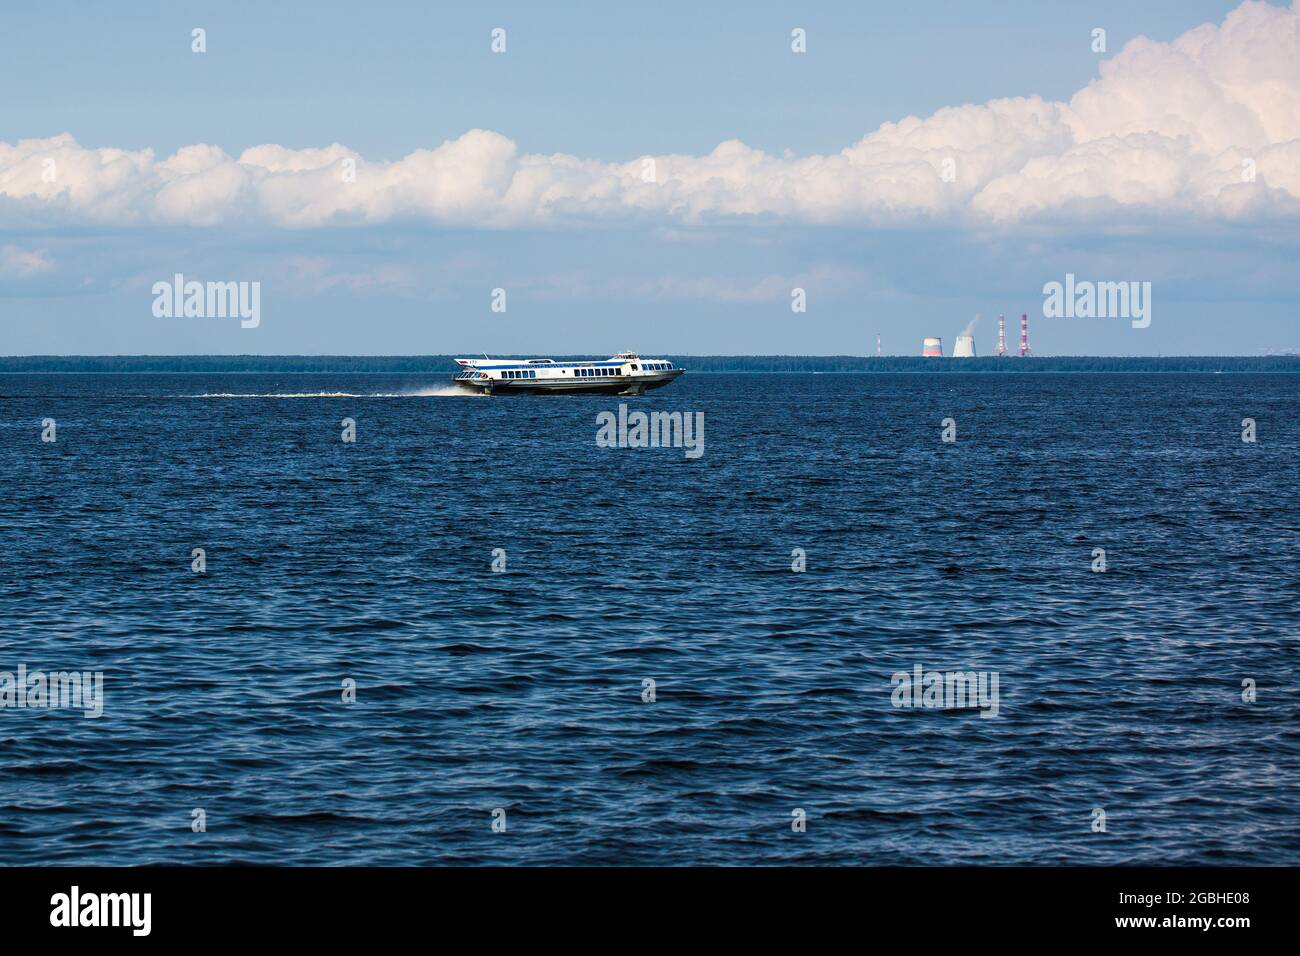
(617,376)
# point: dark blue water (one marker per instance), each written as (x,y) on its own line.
(522,690)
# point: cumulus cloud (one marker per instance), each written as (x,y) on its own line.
(19,263)
(1207,125)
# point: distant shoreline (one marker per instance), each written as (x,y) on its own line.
(444,364)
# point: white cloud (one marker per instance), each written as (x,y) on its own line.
(827,280)
(321,273)
(18,263)
(1167,129)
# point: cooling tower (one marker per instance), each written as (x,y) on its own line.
(964,347)
(932,347)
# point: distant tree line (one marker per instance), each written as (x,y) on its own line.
(436,364)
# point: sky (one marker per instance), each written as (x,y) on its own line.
(656,177)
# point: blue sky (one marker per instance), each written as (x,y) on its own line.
(1133,179)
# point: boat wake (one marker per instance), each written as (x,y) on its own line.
(438,391)
(273,395)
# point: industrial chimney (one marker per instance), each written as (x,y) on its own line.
(931,347)
(964,347)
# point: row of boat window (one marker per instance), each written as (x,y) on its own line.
(653,366)
(596,372)
(522,373)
